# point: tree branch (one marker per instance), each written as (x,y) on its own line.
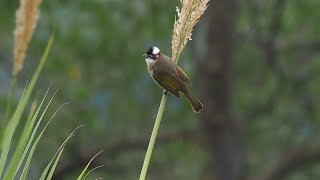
(292,161)
(269,43)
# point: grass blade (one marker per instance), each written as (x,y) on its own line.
(55,164)
(14,121)
(12,88)
(26,167)
(87,166)
(91,171)
(21,148)
(45,171)
(7,141)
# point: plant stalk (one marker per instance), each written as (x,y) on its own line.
(153,137)
(12,88)
(10,97)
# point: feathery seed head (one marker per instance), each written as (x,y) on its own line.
(26,21)
(187,17)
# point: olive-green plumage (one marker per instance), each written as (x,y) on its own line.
(171,77)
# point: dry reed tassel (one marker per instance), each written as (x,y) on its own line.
(188,17)
(26,21)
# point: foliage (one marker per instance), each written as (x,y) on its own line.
(97,63)
(26,145)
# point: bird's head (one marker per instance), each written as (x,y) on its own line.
(152,54)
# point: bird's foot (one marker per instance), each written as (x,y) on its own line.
(165,92)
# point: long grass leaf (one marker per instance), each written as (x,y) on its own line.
(7,141)
(21,149)
(91,171)
(87,166)
(26,167)
(32,111)
(13,83)
(55,164)
(14,121)
(45,171)
(13,166)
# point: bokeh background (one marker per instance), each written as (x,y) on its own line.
(255,64)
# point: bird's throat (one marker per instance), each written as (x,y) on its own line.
(149,60)
(150,63)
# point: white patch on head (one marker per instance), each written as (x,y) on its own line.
(155,51)
(149,60)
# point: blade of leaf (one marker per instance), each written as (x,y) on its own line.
(13,165)
(55,165)
(7,142)
(85,169)
(15,119)
(32,111)
(92,170)
(21,148)
(27,164)
(45,171)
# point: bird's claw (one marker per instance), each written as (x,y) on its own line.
(165,92)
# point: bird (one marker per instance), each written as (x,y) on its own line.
(170,76)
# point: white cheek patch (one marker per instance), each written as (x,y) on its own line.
(155,50)
(148,60)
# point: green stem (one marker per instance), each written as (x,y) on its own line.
(10,97)
(153,137)
(13,83)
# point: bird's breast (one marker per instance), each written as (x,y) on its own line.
(150,65)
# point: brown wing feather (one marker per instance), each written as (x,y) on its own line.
(182,75)
(167,83)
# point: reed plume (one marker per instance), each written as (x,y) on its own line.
(188,16)
(26,21)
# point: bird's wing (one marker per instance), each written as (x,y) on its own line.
(183,75)
(167,83)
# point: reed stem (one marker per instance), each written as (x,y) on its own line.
(12,87)
(153,137)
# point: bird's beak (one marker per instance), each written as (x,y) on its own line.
(145,55)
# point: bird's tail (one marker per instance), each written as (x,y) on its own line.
(194,102)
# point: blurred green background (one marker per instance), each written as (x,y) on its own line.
(271,129)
